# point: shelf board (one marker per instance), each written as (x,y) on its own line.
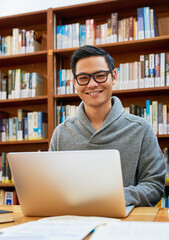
(121,47)
(103,7)
(6,185)
(27,58)
(23,20)
(23,101)
(36,141)
(127,92)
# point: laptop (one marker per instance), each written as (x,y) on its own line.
(85,183)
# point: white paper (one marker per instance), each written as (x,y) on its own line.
(60,228)
(132,231)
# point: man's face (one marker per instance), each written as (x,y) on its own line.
(95,94)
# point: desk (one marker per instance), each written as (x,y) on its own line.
(138,214)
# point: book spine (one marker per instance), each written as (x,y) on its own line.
(146,72)
(140,15)
(162,69)
(114,21)
(167,68)
(147,22)
(59,37)
(142,71)
(155,116)
(151,70)
(82,35)
(157,70)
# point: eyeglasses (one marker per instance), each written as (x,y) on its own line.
(99,77)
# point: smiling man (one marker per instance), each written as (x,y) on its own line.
(102,123)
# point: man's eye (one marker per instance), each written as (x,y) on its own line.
(100,75)
(83,78)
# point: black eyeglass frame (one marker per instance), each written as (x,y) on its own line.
(92,75)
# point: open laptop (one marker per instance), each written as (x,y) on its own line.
(86,183)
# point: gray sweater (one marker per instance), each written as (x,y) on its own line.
(143,165)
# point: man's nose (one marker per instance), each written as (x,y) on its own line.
(92,83)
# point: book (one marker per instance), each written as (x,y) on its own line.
(147,29)
(90,31)
(8,198)
(6,216)
(162,69)
(167,68)
(21,115)
(140,15)
(114,22)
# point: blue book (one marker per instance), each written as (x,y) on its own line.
(59,37)
(25,128)
(3,46)
(63,113)
(148,104)
(40,125)
(64,30)
(82,35)
(147,28)
(140,16)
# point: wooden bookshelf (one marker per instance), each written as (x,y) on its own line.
(122,52)
(50,60)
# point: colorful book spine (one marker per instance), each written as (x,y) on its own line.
(147,29)
(140,15)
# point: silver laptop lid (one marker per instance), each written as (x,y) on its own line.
(85,183)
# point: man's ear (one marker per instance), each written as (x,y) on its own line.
(114,76)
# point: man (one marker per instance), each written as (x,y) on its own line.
(102,123)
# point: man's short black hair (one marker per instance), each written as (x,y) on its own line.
(90,51)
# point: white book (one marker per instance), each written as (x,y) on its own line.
(121,76)
(162,69)
(136,74)
(27,41)
(15,38)
(155,116)
(151,70)
(18,83)
(70,36)
(164,119)
(152,23)
(76,32)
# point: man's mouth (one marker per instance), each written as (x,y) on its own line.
(94,93)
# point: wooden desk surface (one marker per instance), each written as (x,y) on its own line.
(138,214)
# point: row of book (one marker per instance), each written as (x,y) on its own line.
(22,41)
(65,82)
(25,126)
(5,172)
(164,202)
(166,158)
(8,197)
(64,112)
(156,113)
(114,30)
(20,84)
(151,71)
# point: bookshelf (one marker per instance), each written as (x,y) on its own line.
(122,52)
(50,60)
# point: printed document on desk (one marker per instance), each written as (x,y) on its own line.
(62,228)
(132,231)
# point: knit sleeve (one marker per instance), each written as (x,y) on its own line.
(151,171)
